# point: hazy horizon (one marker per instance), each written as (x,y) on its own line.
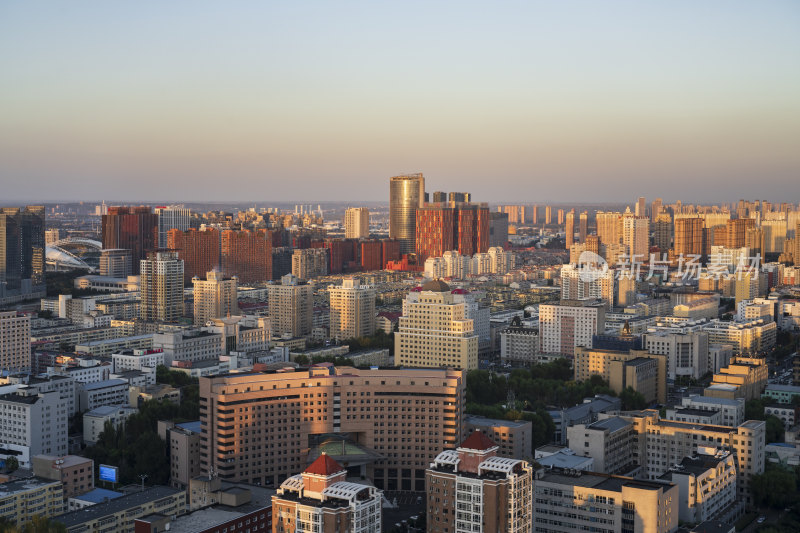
(546,102)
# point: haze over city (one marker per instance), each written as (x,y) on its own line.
(556,101)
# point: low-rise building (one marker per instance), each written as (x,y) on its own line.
(583,413)
(119,514)
(94,421)
(519,345)
(183,446)
(787,413)
(22,499)
(695,416)
(610,443)
(744,377)
(513,437)
(93,497)
(108,392)
(644,372)
(75,473)
(136,360)
(569,500)
(159,391)
(706,485)
(781,393)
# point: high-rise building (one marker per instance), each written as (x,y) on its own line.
(439,196)
(736,232)
(548,215)
(52,236)
(247,255)
(115,263)
(535,215)
(321,499)
(689,235)
(33,423)
(609,227)
(352,310)
(461,227)
(214,297)
(171,217)
(356,223)
(636,236)
(200,251)
(15,341)
(434,330)
(655,209)
(569,229)
(662,232)
(406,195)
(498,229)
(22,253)
(471,488)
(641,207)
(291,307)
(161,287)
(459,197)
(570,324)
(310,263)
(390,251)
(131,228)
(774,230)
(560,217)
(575,287)
(371,255)
(280,432)
(583,227)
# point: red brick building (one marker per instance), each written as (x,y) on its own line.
(200,251)
(247,254)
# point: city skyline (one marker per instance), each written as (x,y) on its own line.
(563,103)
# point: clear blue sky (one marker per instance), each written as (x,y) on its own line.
(523,101)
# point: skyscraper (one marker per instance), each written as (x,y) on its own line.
(161,287)
(15,341)
(406,195)
(352,310)
(461,227)
(356,223)
(131,228)
(548,215)
(636,236)
(434,330)
(171,217)
(688,236)
(662,232)
(214,297)
(439,196)
(655,209)
(247,255)
(641,207)
(569,230)
(22,253)
(609,226)
(560,218)
(583,227)
(736,231)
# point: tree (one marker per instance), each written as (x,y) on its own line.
(774,429)
(632,400)
(776,487)
(11,464)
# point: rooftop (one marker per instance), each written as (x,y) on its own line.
(478,441)
(599,481)
(476,420)
(22,485)
(98,496)
(324,466)
(105,384)
(193,427)
(129,501)
(612,424)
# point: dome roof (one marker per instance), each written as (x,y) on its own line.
(436,285)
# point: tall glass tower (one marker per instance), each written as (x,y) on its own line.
(406,195)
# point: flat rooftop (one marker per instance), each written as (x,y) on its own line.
(22,485)
(476,420)
(599,481)
(129,501)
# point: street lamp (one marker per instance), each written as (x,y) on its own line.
(142,477)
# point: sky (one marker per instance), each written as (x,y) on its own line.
(309,101)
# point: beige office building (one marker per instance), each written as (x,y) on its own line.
(387,425)
(434,330)
(352,310)
(291,307)
(15,341)
(356,223)
(744,377)
(215,297)
(636,236)
(161,287)
(564,502)
(644,372)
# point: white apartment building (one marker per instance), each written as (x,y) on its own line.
(137,360)
(731,411)
(352,310)
(95,420)
(356,223)
(215,297)
(636,236)
(86,371)
(108,392)
(188,345)
(601,286)
(706,485)
(32,424)
(686,351)
(746,337)
(569,324)
(434,330)
(15,341)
